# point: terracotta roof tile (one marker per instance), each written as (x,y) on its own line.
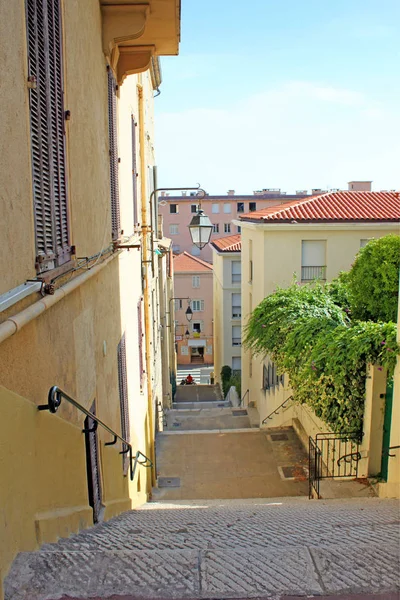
(346,206)
(231,243)
(187,262)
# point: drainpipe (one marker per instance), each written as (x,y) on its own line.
(146,260)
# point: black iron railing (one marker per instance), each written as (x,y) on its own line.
(276,411)
(53,403)
(311,273)
(332,455)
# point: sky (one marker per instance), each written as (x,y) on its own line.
(290,94)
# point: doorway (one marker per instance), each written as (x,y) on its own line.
(387,422)
(93,467)
(197,354)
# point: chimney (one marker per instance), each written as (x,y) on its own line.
(184,193)
(162,193)
(231,192)
(359,186)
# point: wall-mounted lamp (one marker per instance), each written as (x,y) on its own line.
(188,311)
(187,334)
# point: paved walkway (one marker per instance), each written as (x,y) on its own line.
(231,549)
(207,419)
(241,464)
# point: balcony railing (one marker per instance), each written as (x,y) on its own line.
(236,342)
(312,273)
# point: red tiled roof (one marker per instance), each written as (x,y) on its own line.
(231,243)
(346,206)
(187,262)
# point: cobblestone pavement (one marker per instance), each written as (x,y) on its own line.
(222,549)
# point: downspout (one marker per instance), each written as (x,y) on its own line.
(146,229)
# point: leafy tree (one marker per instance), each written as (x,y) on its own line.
(373,280)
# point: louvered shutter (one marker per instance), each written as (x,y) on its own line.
(123,395)
(140,340)
(45,69)
(134,171)
(112,130)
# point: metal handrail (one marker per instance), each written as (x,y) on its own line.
(276,410)
(53,403)
(352,456)
(386,451)
(247,392)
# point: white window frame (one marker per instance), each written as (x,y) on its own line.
(236,308)
(236,277)
(195,281)
(227,208)
(174,229)
(197,305)
(215,208)
(227,227)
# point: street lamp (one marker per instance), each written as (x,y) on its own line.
(188,311)
(187,334)
(200,228)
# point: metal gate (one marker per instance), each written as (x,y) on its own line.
(332,455)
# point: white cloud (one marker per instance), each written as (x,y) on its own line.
(299,135)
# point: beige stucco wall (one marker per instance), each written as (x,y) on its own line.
(223,290)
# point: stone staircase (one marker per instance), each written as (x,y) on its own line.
(221,549)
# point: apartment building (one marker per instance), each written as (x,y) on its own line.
(177,212)
(312,238)
(227,304)
(83,269)
(193,288)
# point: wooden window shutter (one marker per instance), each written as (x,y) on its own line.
(123,395)
(46,102)
(140,340)
(112,131)
(134,170)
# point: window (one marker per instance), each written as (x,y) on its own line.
(197,326)
(195,250)
(174,209)
(215,208)
(236,267)
(236,335)
(196,281)
(184,350)
(113,141)
(194,208)
(176,248)
(364,242)
(252,206)
(313,260)
(236,306)
(197,305)
(250,261)
(227,208)
(216,228)
(140,340)
(174,229)
(178,304)
(239,229)
(271,377)
(227,227)
(123,397)
(240,207)
(46,107)
(236,363)
(135,173)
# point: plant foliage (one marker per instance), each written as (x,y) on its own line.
(308,333)
(373,281)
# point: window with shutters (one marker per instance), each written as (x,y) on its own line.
(236,267)
(313,260)
(227,208)
(197,305)
(113,150)
(236,335)
(236,306)
(123,398)
(140,341)
(196,281)
(174,209)
(174,229)
(46,107)
(216,228)
(227,227)
(134,170)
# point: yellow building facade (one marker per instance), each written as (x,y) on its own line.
(82,291)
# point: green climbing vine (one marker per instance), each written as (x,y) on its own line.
(308,332)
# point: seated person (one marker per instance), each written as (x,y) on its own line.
(189,379)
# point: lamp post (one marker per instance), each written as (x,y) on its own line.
(188,311)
